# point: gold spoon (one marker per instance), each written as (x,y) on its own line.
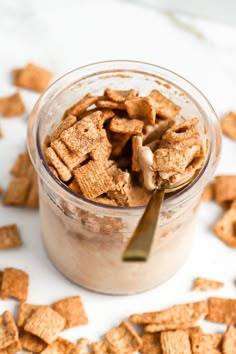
(139,246)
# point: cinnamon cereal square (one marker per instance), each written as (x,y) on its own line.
(70,159)
(225,227)
(151,344)
(124,339)
(175,342)
(32,77)
(61,346)
(103,347)
(17,191)
(31,343)
(15,284)
(93,179)
(222,310)
(203,284)
(81,106)
(66,123)
(126,126)
(45,323)
(228,125)
(9,237)
(141,108)
(8,330)
(12,106)
(120,95)
(164,107)
(72,310)
(225,188)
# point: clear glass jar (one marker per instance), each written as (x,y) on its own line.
(85,240)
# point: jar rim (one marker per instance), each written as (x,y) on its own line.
(111,66)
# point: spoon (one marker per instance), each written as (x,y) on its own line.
(139,246)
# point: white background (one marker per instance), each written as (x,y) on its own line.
(62,35)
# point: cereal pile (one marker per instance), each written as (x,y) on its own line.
(132,123)
(119,151)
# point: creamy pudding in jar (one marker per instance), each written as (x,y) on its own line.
(101,140)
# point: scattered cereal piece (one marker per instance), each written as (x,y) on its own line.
(60,346)
(177,315)
(25,312)
(72,310)
(103,150)
(32,200)
(12,106)
(229,341)
(103,348)
(12,349)
(151,344)
(66,123)
(204,343)
(175,342)
(81,344)
(182,131)
(222,310)
(32,77)
(45,323)
(15,284)
(70,159)
(103,103)
(119,95)
(81,106)
(31,342)
(21,165)
(8,330)
(208,193)
(225,227)
(9,237)
(124,338)
(228,125)
(61,169)
(126,126)
(17,191)
(225,188)
(93,179)
(85,135)
(204,284)
(164,107)
(141,108)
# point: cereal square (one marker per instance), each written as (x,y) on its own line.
(12,349)
(9,237)
(225,188)
(141,108)
(93,179)
(60,346)
(164,107)
(105,103)
(81,106)
(8,330)
(68,122)
(222,310)
(151,344)
(70,159)
(32,77)
(84,135)
(228,125)
(225,227)
(126,126)
(25,312)
(204,343)
(17,191)
(15,284)
(31,343)
(12,106)
(21,165)
(229,341)
(103,150)
(103,347)
(203,284)
(124,339)
(45,323)
(56,162)
(72,310)
(120,95)
(175,342)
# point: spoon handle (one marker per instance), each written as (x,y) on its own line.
(140,243)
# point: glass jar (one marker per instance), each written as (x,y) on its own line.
(85,240)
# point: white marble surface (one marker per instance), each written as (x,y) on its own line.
(62,35)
